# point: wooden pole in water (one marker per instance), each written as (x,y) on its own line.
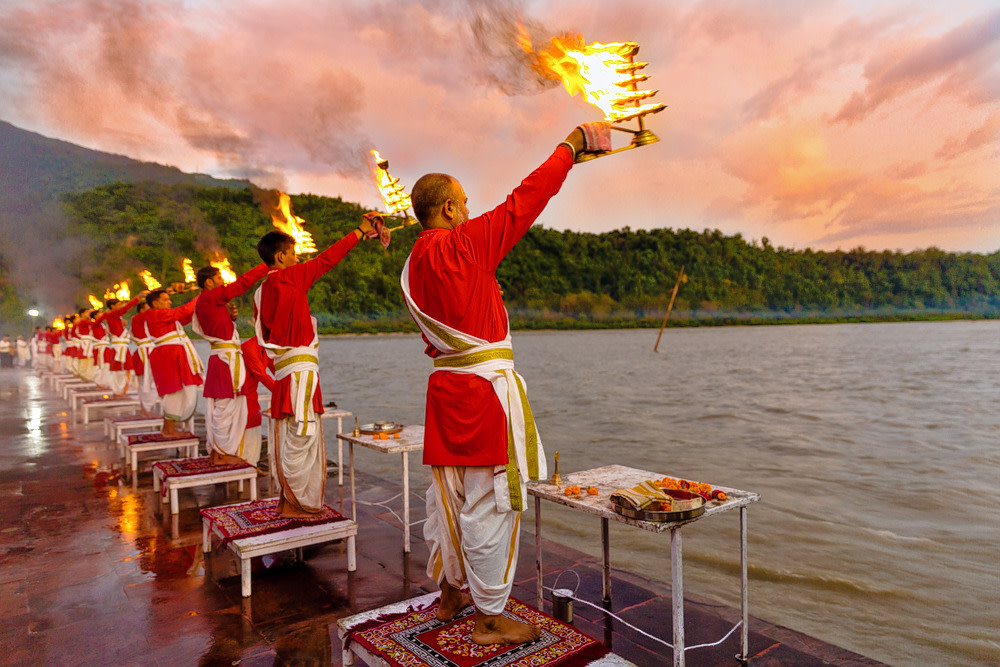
(670,307)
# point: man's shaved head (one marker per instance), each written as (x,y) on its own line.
(430,192)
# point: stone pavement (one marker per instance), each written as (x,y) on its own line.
(91,572)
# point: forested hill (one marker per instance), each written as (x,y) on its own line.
(34,172)
(551,278)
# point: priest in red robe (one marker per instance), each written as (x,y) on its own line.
(174,362)
(115,354)
(287,330)
(479,434)
(226,409)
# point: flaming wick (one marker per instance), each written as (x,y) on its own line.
(292,225)
(225,270)
(189,276)
(148,279)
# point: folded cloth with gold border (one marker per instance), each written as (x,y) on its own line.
(642,496)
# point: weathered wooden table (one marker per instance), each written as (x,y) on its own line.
(411,439)
(609,478)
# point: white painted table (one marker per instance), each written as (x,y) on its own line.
(187,446)
(108,404)
(61,383)
(115,426)
(411,439)
(171,485)
(345,625)
(609,478)
(77,396)
(68,387)
(53,378)
(294,538)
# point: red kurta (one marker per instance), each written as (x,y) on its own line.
(112,319)
(215,321)
(285,318)
(138,329)
(452,280)
(257,365)
(169,363)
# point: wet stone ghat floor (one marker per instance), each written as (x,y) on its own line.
(92,573)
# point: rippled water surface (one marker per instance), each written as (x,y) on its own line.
(874,448)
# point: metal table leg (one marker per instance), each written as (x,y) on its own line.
(606,553)
(677,594)
(744,602)
(406,502)
(538,553)
(340,453)
(350,454)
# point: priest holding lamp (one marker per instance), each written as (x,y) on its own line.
(480,436)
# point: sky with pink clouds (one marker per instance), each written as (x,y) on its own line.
(824,124)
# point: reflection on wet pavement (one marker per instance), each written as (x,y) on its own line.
(93,572)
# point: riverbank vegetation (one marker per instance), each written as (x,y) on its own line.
(552,279)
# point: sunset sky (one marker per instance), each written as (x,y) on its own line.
(823,124)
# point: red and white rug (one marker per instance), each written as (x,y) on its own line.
(261,518)
(159,437)
(415,638)
(197,466)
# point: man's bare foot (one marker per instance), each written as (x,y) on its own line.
(220,459)
(169,427)
(453,601)
(288,511)
(502,630)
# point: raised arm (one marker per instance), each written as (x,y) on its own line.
(492,235)
(243,283)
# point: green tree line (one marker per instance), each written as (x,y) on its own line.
(551,278)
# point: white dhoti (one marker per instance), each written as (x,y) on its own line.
(148,396)
(299,446)
(250,448)
(180,405)
(225,423)
(101,369)
(85,369)
(470,541)
(301,464)
(118,381)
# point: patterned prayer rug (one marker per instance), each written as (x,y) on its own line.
(418,639)
(198,466)
(159,437)
(261,518)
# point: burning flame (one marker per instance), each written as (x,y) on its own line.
(392,192)
(151,282)
(109,294)
(58,324)
(228,275)
(121,291)
(189,276)
(292,225)
(94,301)
(604,74)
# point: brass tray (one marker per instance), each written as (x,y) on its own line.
(686,505)
(377,428)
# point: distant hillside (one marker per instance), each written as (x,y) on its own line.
(34,172)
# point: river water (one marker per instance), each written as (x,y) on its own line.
(875,449)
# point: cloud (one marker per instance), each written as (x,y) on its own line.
(960,57)
(793,120)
